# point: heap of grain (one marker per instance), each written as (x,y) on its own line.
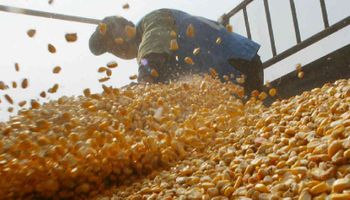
(78,146)
(295,149)
(187,140)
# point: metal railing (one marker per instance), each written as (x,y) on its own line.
(276,57)
(37,13)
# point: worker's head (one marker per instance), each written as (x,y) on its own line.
(115,35)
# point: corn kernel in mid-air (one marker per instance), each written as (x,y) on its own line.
(301,74)
(31,32)
(25,83)
(17,67)
(56,70)
(272,92)
(196,51)
(173,34)
(130,31)
(154,73)
(71,37)
(102,27)
(133,77)
(51,48)
(229,28)
(173,45)
(126,6)
(218,40)
(190,32)
(188,60)
(112,64)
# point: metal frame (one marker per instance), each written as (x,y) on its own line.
(299,43)
(48,15)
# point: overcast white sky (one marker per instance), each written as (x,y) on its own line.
(80,66)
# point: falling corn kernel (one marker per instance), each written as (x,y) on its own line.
(25,83)
(56,70)
(8,99)
(173,34)
(267,84)
(130,31)
(229,28)
(300,74)
(17,67)
(34,104)
(14,84)
(262,96)
(126,6)
(272,92)
(188,60)
(53,89)
(226,78)
(173,45)
(298,67)
(22,103)
(255,93)
(154,73)
(31,32)
(196,51)
(112,64)
(102,27)
(71,37)
(104,79)
(241,79)
(133,77)
(43,94)
(10,109)
(218,40)
(50,2)
(108,72)
(190,32)
(213,72)
(101,69)
(51,48)
(87,92)
(2,85)
(119,41)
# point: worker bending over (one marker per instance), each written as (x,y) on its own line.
(170,43)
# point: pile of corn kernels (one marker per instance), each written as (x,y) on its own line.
(295,149)
(184,140)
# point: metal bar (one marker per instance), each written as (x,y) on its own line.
(324,14)
(269,25)
(37,13)
(313,39)
(238,8)
(295,21)
(246,21)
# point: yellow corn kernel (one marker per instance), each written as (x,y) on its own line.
(188,60)
(71,37)
(56,70)
(130,31)
(102,27)
(31,32)
(51,48)
(190,32)
(173,45)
